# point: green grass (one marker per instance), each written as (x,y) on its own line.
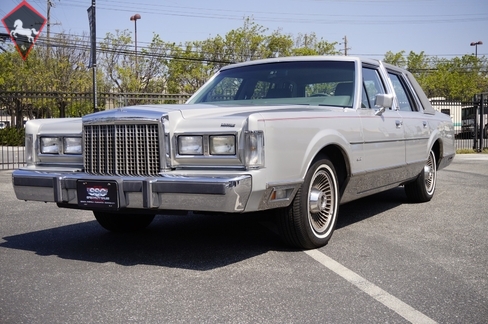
(469,151)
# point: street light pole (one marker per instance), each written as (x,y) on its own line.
(134,18)
(475,44)
(479,110)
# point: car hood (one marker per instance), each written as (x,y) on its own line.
(155,112)
(54,126)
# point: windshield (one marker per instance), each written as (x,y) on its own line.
(325,83)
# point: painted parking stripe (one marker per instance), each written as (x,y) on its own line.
(390,301)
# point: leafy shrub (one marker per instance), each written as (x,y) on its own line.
(12,136)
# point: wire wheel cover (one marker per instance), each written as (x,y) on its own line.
(321,202)
(430,174)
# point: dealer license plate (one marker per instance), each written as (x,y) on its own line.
(97,194)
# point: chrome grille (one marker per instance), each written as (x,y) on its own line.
(125,150)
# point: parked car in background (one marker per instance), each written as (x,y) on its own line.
(4,124)
(295,136)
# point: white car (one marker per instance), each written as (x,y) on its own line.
(297,136)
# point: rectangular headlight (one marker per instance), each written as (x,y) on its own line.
(50,145)
(72,145)
(190,145)
(223,145)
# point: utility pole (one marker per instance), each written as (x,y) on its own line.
(93,51)
(345,45)
(48,29)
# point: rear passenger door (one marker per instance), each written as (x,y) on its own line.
(415,122)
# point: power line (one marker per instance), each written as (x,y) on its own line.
(82,42)
(196,12)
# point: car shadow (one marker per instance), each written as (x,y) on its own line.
(364,208)
(196,242)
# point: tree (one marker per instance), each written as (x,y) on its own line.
(67,70)
(458,78)
(19,76)
(127,73)
(309,44)
(193,63)
(397,59)
(188,68)
(277,45)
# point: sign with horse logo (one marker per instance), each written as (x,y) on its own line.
(24,25)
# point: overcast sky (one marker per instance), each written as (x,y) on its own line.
(373,27)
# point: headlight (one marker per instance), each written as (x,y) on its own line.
(50,145)
(72,145)
(190,145)
(58,145)
(223,145)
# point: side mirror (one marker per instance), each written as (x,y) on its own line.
(383,101)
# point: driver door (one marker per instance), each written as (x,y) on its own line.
(384,147)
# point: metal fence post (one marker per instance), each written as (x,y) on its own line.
(479,127)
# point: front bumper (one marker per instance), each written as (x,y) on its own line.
(216,193)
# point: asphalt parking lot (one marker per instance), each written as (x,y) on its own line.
(388,262)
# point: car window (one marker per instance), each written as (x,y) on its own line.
(372,85)
(404,96)
(225,90)
(323,83)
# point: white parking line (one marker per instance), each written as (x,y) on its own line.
(393,303)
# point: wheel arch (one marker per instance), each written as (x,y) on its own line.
(437,149)
(340,160)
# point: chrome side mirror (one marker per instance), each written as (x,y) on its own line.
(383,101)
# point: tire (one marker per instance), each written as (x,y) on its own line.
(311,218)
(422,189)
(123,223)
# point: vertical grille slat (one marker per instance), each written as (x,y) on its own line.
(124,150)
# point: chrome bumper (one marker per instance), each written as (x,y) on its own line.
(227,193)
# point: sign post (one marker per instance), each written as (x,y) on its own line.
(93,51)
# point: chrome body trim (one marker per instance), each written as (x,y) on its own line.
(367,183)
(445,161)
(199,193)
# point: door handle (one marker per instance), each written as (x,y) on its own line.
(424,123)
(398,123)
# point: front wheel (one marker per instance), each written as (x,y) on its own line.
(117,222)
(310,220)
(422,189)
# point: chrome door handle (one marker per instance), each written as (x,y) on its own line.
(424,123)
(398,123)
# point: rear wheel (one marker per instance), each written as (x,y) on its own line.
(422,189)
(117,222)
(311,218)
